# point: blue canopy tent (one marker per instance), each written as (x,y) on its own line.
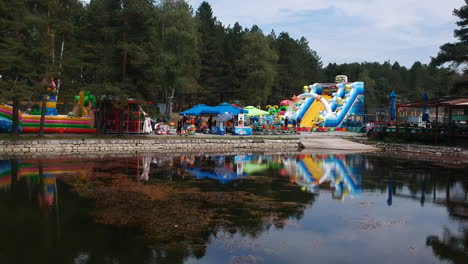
(225,108)
(196,110)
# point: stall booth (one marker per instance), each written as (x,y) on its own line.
(241,129)
(225,112)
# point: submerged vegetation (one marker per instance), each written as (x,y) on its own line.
(170,214)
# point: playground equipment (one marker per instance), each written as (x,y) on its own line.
(135,119)
(330,104)
(81,120)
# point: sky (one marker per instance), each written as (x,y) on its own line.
(345,31)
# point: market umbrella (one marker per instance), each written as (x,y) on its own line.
(196,110)
(225,108)
(425,116)
(253,111)
(224,117)
(392,105)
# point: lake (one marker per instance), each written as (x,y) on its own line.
(281,208)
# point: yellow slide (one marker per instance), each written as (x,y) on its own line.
(310,117)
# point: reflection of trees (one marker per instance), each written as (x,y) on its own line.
(451,246)
(411,179)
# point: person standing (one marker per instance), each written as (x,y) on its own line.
(210,122)
(186,127)
(179,126)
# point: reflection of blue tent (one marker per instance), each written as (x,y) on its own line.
(225,108)
(196,110)
(222,175)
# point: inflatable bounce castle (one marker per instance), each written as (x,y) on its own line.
(81,120)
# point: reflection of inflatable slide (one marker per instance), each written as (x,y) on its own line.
(329,104)
(311,172)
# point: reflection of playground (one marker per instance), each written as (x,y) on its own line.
(41,176)
(253,194)
(339,173)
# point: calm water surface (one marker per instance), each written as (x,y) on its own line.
(335,208)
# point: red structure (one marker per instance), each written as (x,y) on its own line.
(132,116)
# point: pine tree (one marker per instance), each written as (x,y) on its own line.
(178,59)
(456,53)
(19,57)
(259,63)
(211,34)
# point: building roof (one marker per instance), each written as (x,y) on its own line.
(454,101)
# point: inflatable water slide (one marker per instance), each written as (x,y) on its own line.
(329,104)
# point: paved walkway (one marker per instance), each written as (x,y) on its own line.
(330,142)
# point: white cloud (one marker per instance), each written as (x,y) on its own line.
(401,30)
(387,29)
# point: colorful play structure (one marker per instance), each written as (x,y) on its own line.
(135,119)
(328,105)
(81,120)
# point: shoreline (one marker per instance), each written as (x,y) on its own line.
(53,145)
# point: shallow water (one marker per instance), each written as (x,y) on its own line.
(292,208)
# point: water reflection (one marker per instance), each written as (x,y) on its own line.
(340,174)
(247,196)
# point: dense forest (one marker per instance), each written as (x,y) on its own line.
(151,50)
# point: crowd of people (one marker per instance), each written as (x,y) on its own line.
(186,124)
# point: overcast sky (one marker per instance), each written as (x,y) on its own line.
(351,30)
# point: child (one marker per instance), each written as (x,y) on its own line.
(186,126)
